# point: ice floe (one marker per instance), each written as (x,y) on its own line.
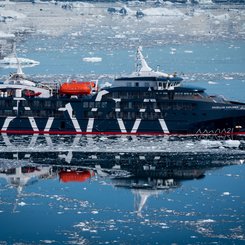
(22,204)
(212,83)
(15,61)
(6,35)
(92,59)
(226,193)
(11,14)
(163,12)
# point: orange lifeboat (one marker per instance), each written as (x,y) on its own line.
(75,176)
(77,88)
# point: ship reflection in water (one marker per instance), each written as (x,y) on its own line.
(126,190)
(144,173)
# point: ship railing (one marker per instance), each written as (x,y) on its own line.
(218,99)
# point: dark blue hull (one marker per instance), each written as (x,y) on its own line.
(203,119)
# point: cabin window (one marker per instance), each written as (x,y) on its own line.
(8,112)
(91,104)
(136,84)
(2,103)
(129,84)
(47,103)
(85,104)
(103,104)
(115,94)
(24,103)
(43,113)
(58,104)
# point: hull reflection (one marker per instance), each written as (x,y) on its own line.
(144,173)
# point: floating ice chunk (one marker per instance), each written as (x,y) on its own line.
(228,78)
(231,143)
(211,144)
(163,12)
(22,204)
(48,241)
(205,1)
(95,212)
(6,35)
(120,36)
(11,14)
(226,193)
(188,51)
(13,61)
(206,221)
(81,224)
(222,17)
(92,59)
(211,82)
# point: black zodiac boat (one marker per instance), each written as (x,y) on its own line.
(147,102)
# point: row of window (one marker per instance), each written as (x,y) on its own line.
(95,104)
(33,113)
(124,115)
(125,105)
(40,113)
(148,94)
(33,103)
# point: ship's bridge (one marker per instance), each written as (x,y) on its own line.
(156,82)
(144,76)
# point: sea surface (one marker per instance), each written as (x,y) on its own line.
(125,190)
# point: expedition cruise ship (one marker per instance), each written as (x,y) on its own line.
(147,102)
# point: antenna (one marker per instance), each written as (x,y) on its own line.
(19,69)
(141,64)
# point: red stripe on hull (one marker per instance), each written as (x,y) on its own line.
(26,132)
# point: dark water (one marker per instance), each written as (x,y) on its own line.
(121,190)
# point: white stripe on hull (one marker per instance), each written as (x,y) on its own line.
(33,124)
(136,125)
(7,122)
(121,125)
(49,124)
(90,125)
(163,126)
(100,94)
(73,119)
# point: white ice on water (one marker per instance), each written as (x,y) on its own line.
(10,60)
(92,59)
(163,12)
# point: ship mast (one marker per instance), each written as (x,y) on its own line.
(141,64)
